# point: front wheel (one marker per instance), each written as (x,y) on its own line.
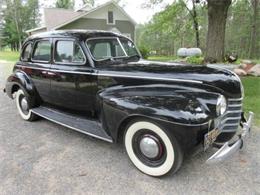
(23,106)
(151,149)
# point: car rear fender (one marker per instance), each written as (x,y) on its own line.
(19,79)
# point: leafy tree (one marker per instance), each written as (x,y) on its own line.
(66,4)
(90,2)
(19,16)
(254,28)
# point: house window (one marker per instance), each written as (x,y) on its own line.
(110,17)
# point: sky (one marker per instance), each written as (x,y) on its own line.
(133,7)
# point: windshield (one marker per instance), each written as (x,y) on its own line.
(106,48)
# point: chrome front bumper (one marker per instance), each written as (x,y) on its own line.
(228,149)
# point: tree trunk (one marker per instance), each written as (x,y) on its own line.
(195,23)
(253,42)
(217,15)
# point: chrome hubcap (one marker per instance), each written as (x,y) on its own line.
(24,104)
(149,147)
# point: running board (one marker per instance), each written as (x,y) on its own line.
(86,126)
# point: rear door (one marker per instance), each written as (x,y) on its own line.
(35,61)
(73,85)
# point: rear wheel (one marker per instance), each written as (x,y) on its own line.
(151,149)
(23,106)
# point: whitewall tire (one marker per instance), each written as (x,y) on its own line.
(23,106)
(151,149)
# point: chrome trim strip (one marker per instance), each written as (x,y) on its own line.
(233,111)
(235,99)
(235,105)
(113,75)
(73,128)
(229,124)
(122,46)
(150,78)
(230,118)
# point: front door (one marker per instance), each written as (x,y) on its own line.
(73,85)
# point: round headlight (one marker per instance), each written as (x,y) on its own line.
(221,105)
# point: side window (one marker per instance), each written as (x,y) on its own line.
(42,51)
(105,48)
(102,50)
(26,52)
(68,52)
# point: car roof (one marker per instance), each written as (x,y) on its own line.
(80,34)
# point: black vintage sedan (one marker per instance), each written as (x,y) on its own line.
(97,83)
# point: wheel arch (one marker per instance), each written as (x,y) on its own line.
(20,80)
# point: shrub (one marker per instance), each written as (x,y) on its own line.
(195,60)
(144,51)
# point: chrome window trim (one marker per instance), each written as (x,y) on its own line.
(113,75)
(41,61)
(112,37)
(68,63)
(23,48)
(122,46)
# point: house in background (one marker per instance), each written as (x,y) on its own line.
(109,16)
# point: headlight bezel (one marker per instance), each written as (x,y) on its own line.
(221,105)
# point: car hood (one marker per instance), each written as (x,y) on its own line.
(196,75)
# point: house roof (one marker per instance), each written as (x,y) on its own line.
(35,29)
(94,9)
(53,19)
(52,16)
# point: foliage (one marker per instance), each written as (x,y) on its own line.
(252,96)
(66,4)
(173,28)
(144,51)
(195,60)
(238,33)
(9,56)
(19,16)
(90,2)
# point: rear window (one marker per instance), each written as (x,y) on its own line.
(42,51)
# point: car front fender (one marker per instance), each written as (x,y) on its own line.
(177,105)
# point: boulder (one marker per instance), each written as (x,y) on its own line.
(240,72)
(255,70)
(186,52)
(246,62)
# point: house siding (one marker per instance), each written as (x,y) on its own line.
(125,27)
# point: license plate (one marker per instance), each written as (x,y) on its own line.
(210,137)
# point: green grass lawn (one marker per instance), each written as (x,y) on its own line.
(252,96)
(9,56)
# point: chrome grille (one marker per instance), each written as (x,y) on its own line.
(230,121)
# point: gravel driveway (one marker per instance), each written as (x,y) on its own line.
(44,158)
